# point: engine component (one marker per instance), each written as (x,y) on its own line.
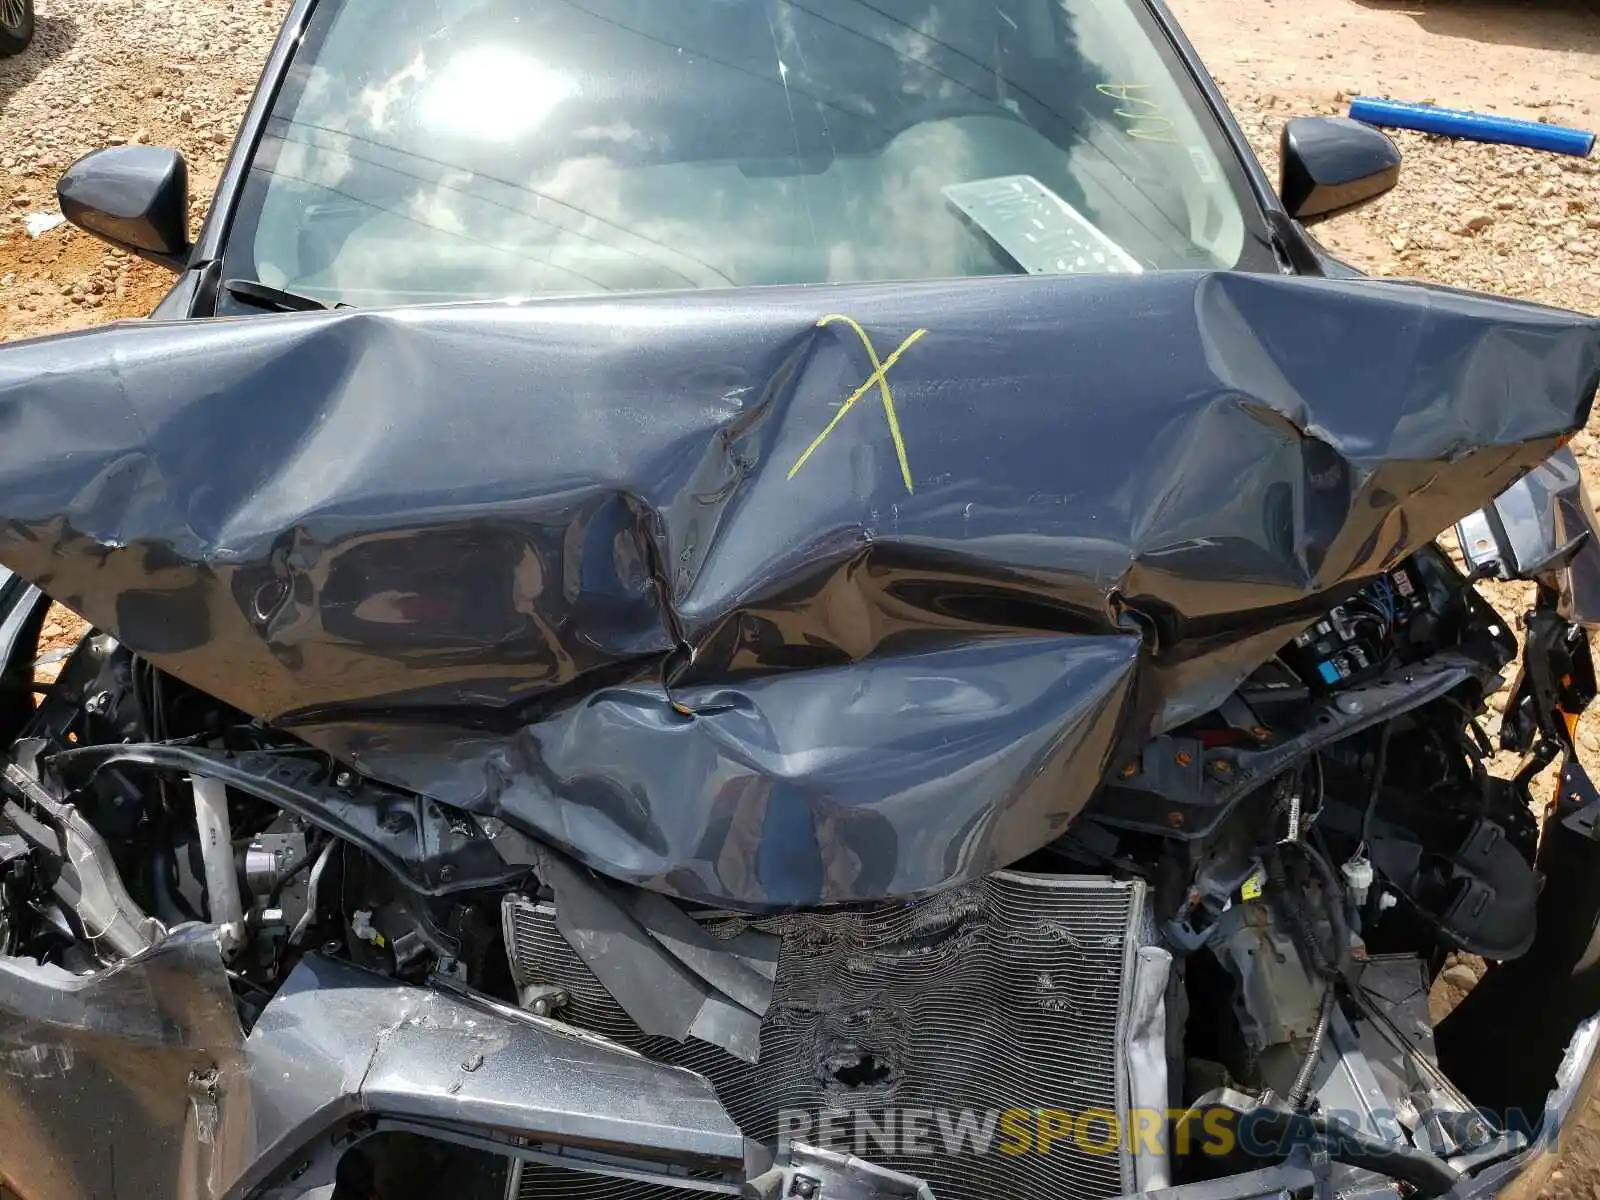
(1278,996)
(1357,637)
(1343,1080)
(85,874)
(270,859)
(807,1171)
(1182,788)
(1009,992)
(398,942)
(1481,895)
(1396,1040)
(1357,874)
(1428,1176)
(1300,1089)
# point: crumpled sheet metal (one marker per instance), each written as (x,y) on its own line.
(633,575)
(137,1080)
(111,1083)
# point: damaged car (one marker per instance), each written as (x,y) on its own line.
(820,601)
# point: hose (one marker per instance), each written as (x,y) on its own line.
(167,910)
(1304,935)
(1333,895)
(1300,1090)
(1307,937)
(1378,769)
(1427,1175)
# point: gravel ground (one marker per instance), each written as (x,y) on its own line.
(104,72)
(179,72)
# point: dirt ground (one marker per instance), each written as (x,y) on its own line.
(1521,223)
(104,72)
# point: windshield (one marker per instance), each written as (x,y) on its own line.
(430,150)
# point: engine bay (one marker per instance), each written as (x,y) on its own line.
(1246,921)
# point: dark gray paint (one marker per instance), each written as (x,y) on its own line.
(134,197)
(546,563)
(1333,163)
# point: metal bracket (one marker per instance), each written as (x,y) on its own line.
(542,999)
(808,1173)
(88,881)
(1578,802)
(1556,684)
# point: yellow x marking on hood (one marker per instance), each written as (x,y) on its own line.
(879,376)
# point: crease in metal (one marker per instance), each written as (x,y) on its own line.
(546,563)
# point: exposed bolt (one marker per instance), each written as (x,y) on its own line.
(1175,820)
(803,1186)
(446,873)
(1222,766)
(1129,771)
(100,702)
(343,779)
(472,1063)
(1260,732)
(1184,758)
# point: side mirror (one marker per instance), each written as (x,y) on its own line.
(135,197)
(1330,164)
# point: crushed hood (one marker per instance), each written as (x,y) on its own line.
(766,597)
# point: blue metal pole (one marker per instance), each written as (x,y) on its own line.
(1480,127)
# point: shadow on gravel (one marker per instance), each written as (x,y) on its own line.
(1539,24)
(52,37)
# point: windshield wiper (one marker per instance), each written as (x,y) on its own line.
(276,299)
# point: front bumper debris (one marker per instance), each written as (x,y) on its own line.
(139,1081)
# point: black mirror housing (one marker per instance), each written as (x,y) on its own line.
(1331,164)
(134,197)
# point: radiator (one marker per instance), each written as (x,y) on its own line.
(1008,993)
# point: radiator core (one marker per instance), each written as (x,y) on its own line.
(1009,993)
